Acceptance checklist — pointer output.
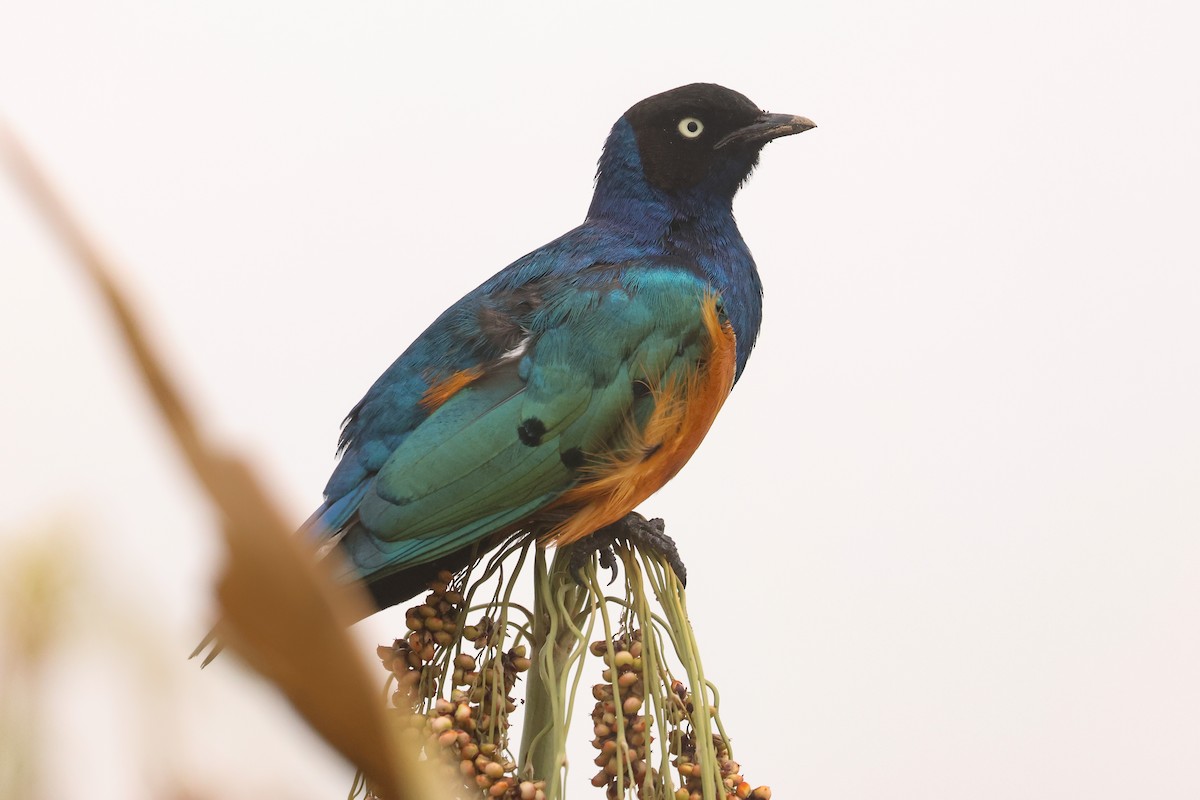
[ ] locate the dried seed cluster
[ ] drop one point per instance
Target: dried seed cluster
(481, 765)
(488, 688)
(622, 688)
(680, 709)
(432, 627)
(470, 728)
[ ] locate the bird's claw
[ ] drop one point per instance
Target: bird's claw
(581, 553)
(633, 528)
(608, 561)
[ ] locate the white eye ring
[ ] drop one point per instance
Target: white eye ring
(690, 127)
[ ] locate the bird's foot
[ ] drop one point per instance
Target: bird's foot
(633, 528)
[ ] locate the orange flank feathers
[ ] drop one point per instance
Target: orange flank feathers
(441, 391)
(648, 458)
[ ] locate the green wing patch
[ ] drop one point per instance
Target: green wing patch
(512, 441)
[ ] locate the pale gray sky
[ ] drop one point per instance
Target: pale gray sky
(944, 537)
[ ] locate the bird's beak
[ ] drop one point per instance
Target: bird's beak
(766, 128)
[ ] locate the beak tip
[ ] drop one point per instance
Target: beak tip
(767, 128)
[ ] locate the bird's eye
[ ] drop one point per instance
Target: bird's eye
(690, 127)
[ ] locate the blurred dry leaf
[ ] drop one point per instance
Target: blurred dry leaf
(286, 617)
(282, 612)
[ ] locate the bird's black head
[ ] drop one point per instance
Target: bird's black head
(700, 130)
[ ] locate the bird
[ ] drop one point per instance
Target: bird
(567, 388)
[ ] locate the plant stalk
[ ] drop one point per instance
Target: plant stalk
(558, 602)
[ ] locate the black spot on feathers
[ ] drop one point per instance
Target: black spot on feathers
(573, 458)
(530, 432)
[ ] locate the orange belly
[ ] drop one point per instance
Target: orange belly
(684, 410)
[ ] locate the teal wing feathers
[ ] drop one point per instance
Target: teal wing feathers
(519, 435)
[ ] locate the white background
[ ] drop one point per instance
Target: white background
(943, 539)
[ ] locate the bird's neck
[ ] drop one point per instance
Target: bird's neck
(625, 199)
(697, 225)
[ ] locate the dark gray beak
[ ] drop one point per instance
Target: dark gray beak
(766, 128)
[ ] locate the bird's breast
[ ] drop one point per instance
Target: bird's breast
(649, 454)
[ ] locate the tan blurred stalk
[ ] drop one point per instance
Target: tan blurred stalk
(33, 588)
(282, 612)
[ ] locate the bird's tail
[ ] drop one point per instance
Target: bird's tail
(210, 643)
(320, 520)
(386, 589)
